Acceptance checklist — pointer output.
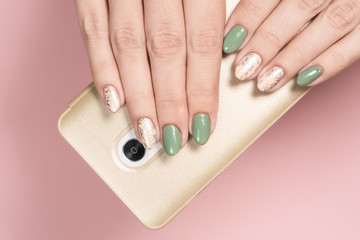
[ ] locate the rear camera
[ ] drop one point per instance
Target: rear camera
(134, 150)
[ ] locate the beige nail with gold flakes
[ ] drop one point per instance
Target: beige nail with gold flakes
(112, 98)
(248, 66)
(270, 79)
(147, 132)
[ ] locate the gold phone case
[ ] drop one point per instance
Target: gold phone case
(157, 191)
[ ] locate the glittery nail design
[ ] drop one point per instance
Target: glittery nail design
(147, 132)
(270, 79)
(112, 99)
(248, 66)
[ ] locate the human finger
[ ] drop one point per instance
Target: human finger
(335, 59)
(94, 25)
(283, 24)
(204, 22)
(243, 22)
(128, 43)
(337, 20)
(165, 32)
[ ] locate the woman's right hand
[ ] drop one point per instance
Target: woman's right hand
(162, 57)
(277, 40)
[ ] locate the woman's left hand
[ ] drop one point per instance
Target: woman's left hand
(274, 49)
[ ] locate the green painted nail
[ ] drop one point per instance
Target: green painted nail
(234, 39)
(171, 139)
(309, 75)
(201, 128)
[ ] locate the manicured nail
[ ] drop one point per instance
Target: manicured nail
(309, 75)
(171, 139)
(201, 128)
(270, 79)
(112, 98)
(248, 66)
(234, 39)
(147, 132)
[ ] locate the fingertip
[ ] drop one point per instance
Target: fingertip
(234, 39)
(309, 75)
(146, 132)
(111, 98)
(201, 128)
(172, 139)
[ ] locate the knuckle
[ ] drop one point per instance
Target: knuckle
(299, 55)
(94, 27)
(172, 104)
(357, 30)
(272, 38)
(253, 6)
(165, 41)
(125, 39)
(342, 60)
(312, 6)
(342, 14)
(206, 40)
(203, 95)
(104, 65)
(133, 98)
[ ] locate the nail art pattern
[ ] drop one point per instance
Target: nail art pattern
(147, 132)
(248, 66)
(270, 79)
(112, 99)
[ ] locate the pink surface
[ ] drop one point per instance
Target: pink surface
(299, 181)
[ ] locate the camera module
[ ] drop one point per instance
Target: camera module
(134, 150)
(132, 153)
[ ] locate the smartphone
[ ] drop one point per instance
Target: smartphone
(153, 185)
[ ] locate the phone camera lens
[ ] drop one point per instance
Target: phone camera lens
(134, 150)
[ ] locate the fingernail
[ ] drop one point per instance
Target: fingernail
(248, 66)
(171, 139)
(147, 132)
(201, 128)
(112, 98)
(234, 39)
(270, 79)
(309, 75)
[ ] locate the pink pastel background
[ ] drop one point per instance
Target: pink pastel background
(300, 180)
